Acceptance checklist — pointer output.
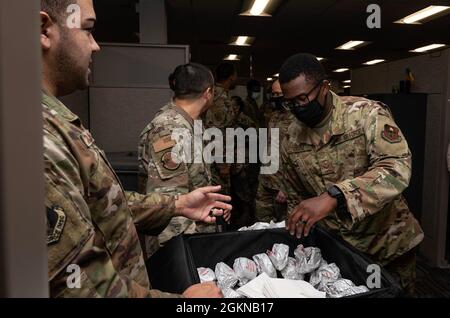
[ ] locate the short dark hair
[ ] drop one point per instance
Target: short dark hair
(254, 85)
(302, 64)
(224, 71)
(238, 100)
(190, 80)
(56, 8)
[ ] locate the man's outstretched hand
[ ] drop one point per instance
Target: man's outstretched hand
(204, 204)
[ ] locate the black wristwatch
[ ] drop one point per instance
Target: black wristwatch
(336, 193)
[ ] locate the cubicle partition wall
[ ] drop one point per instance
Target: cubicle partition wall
(129, 85)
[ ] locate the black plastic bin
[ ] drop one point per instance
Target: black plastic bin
(174, 267)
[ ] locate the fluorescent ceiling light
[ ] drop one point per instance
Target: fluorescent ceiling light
(232, 57)
(241, 41)
(269, 79)
(347, 86)
(428, 48)
(347, 81)
(423, 14)
(276, 75)
(373, 62)
(341, 70)
(351, 45)
(320, 59)
(258, 7)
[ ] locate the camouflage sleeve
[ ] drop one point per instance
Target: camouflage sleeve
(151, 213)
(389, 170)
(245, 121)
(71, 242)
(223, 114)
(265, 207)
(291, 182)
(167, 168)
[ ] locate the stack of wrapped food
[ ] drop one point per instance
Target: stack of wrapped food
(308, 265)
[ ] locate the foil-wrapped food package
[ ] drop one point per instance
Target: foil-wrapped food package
(324, 275)
(255, 227)
(291, 271)
(245, 269)
(309, 258)
(206, 274)
(279, 255)
(343, 288)
(264, 265)
(323, 263)
(226, 277)
(231, 294)
(279, 225)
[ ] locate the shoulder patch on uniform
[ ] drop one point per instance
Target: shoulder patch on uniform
(164, 143)
(56, 220)
(169, 161)
(391, 134)
(87, 139)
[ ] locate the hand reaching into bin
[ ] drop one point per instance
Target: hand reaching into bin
(198, 205)
(308, 213)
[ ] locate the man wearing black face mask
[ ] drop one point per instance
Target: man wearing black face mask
(346, 163)
(271, 198)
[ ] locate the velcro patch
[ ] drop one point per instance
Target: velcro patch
(349, 136)
(87, 139)
(56, 220)
(169, 161)
(391, 134)
(164, 144)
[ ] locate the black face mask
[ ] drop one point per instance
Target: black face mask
(277, 102)
(310, 114)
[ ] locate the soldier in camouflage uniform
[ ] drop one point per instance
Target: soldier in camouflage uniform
(91, 221)
(251, 108)
(223, 114)
(271, 203)
(243, 176)
(346, 164)
(193, 86)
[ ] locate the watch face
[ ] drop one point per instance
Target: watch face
(333, 191)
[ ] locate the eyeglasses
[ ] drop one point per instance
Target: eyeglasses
(300, 100)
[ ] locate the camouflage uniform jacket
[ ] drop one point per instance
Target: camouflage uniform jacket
(280, 119)
(158, 171)
(252, 110)
(90, 217)
(365, 154)
(223, 113)
(270, 185)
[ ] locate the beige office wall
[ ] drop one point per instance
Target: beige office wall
(78, 103)
(428, 69)
(119, 115)
(432, 74)
(23, 253)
